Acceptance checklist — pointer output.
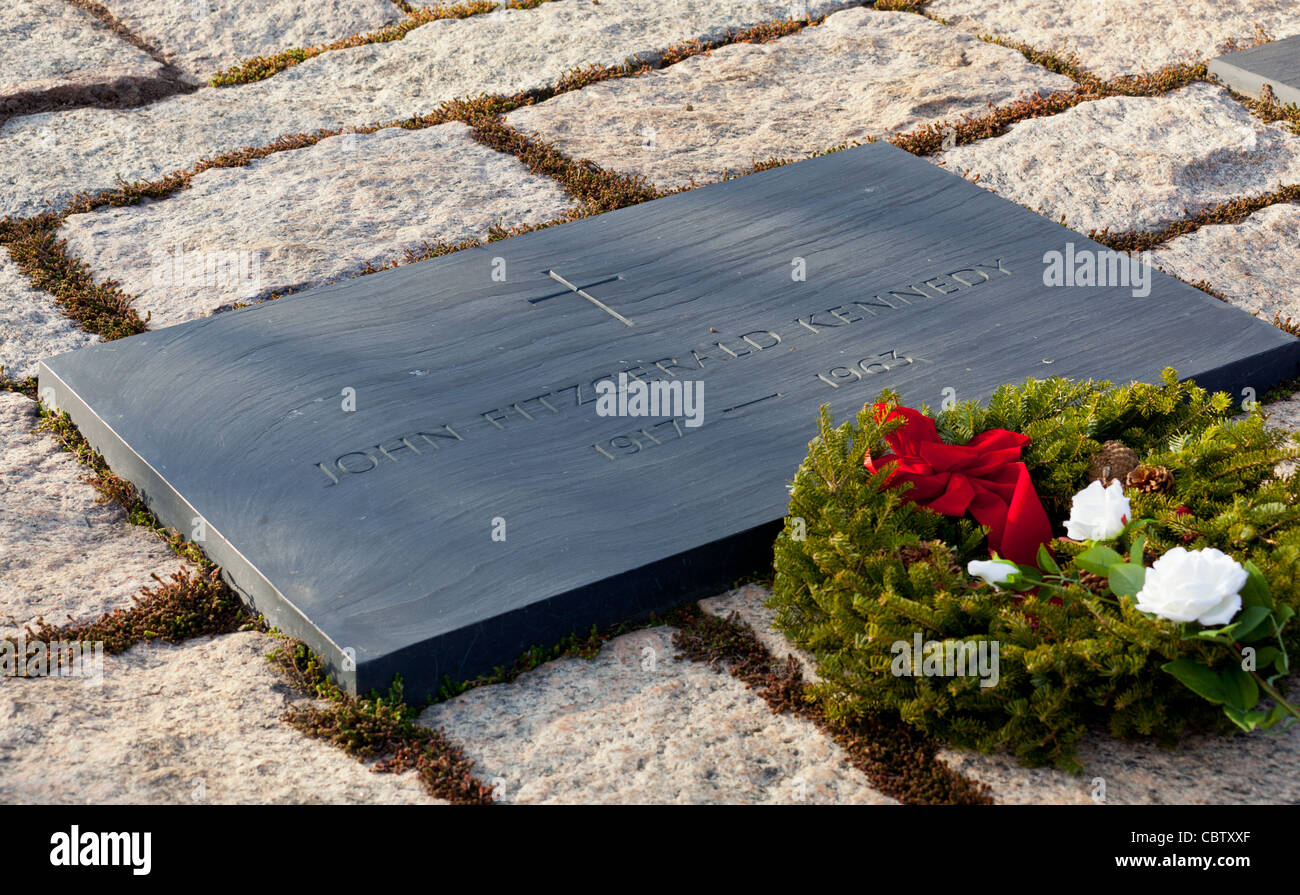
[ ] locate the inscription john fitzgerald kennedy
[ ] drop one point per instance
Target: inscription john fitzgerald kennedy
(695, 361)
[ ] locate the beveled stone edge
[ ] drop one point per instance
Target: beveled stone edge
(173, 510)
(1249, 83)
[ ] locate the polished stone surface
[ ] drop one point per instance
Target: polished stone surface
(474, 503)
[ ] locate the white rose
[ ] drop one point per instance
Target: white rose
(994, 571)
(1202, 585)
(1097, 513)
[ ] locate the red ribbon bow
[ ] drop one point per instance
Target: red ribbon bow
(984, 477)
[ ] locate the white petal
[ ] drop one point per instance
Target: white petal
(1223, 613)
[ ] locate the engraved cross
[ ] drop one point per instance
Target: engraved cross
(571, 289)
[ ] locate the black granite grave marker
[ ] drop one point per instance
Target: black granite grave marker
(474, 503)
(1276, 64)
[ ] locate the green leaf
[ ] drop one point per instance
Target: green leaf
(1029, 572)
(1239, 688)
(1045, 561)
(1247, 721)
(1284, 613)
(1276, 714)
(1097, 559)
(1126, 578)
(1197, 678)
(1135, 553)
(1265, 657)
(1027, 578)
(1215, 634)
(1256, 591)
(1253, 623)
(1218, 635)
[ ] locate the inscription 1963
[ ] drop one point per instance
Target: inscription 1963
(693, 363)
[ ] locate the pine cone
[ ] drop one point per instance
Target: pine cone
(915, 553)
(1151, 480)
(1112, 463)
(923, 552)
(1094, 582)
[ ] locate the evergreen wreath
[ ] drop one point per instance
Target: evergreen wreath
(861, 569)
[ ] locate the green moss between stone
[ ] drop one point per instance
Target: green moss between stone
(916, 6)
(376, 727)
(199, 603)
(587, 182)
(899, 761)
(186, 605)
(25, 386)
(105, 310)
(1283, 391)
(113, 489)
(1234, 211)
(1269, 109)
(930, 139)
(262, 67)
(1287, 325)
(100, 308)
(384, 726)
(189, 604)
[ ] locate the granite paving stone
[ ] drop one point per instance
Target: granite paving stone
(306, 217)
(31, 326)
(639, 723)
(1118, 37)
(51, 157)
(203, 36)
(1285, 414)
(861, 74)
(62, 552)
(1142, 773)
(1254, 263)
(195, 723)
(48, 47)
(1133, 162)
